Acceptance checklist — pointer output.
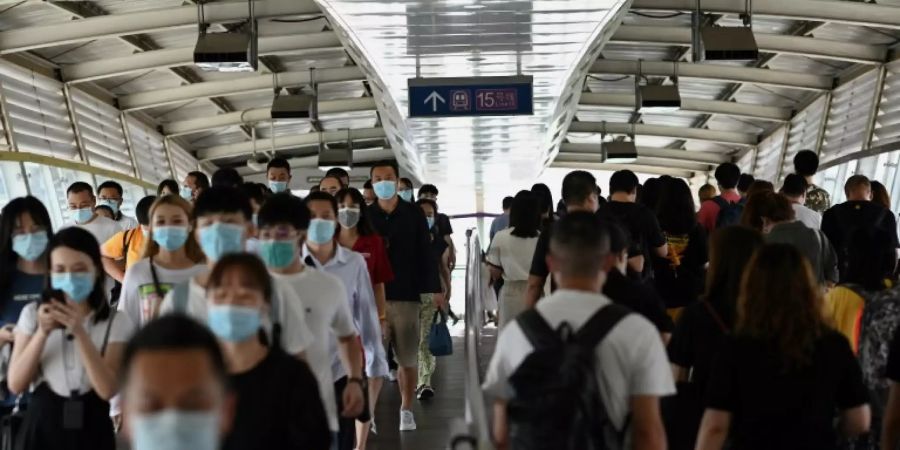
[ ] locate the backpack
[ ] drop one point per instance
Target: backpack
(557, 403)
(729, 213)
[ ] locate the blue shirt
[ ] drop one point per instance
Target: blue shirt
(351, 268)
(501, 222)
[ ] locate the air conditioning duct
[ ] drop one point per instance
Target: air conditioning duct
(619, 152)
(299, 106)
(234, 51)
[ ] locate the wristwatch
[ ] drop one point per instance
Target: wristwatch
(362, 382)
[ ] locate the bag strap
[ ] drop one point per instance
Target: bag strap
(156, 285)
(126, 241)
(180, 294)
(600, 324)
(716, 317)
(112, 317)
(537, 330)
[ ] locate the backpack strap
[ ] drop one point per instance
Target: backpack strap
(600, 324)
(719, 200)
(537, 330)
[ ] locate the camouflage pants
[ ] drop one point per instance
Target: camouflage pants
(426, 359)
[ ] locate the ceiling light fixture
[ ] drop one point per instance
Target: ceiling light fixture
(233, 51)
(714, 43)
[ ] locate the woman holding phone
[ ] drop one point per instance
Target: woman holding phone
(69, 345)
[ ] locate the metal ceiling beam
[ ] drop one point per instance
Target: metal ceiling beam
(655, 170)
(716, 72)
(360, 156)
(693, 134)
(652, 152)
(283, 142)
(768, 43)
(597, 158)
(853, 13)
(757, 112)
(149, 99)
(28, 38)
(183, 56)
(250, 116)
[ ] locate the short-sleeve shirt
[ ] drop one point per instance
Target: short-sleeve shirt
(642, 226)
(442, 225)
(61, 365)
(539, 266)
(775, 407)
(407, 239)
(639, 298)
(709, 210)
(101, 228)
(841, 221)
(630, 361)
(817, 199)
(696, 341)
(138, 288)
(295, 335)
(513, 254)
(114, 247)
(372, 248)
(24, 289)
(328, 318)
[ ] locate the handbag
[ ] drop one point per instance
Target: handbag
(10, 426)
(439, 341)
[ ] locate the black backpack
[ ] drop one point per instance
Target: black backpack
(729, 213)
(557, 403)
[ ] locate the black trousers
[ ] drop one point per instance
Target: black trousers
(43, 426)
(347, 427)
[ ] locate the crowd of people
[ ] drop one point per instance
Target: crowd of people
(225, 315)
(756, 319)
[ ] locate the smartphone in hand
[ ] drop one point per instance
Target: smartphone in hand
(53, 295)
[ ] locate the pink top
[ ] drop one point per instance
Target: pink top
(709, 210)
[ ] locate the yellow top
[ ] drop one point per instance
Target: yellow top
(114, 247)
(845, 309)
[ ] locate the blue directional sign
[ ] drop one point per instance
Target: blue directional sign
(475, 96)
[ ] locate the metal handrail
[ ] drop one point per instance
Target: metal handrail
(476, 413)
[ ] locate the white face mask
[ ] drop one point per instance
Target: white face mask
(348, 217)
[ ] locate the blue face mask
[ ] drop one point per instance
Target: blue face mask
(220, 239)
(320, 231)
(233, 323)
(430, 221)
(76, 285)
(82, 215)
(405, 195)
(30, 246)
(278, 186)
(277, 254)
(170, 238)
(175, 430)
(186, 193)
(111, 204)
(385, 190)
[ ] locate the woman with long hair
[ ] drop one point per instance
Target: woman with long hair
(25, 231)
(171, 256)
(702, 328)
(545, 203)
(679, 276)
(511, 252)
(880, 195)
(356, 233)
(69, 345)
(779, 379)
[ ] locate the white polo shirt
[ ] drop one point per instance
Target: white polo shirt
(807, 216)
(101, 227)
(630, 361)
(295, 335)
(328, 317)
(512, 253)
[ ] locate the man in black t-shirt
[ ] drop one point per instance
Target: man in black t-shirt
(442, 227)
(640, 222)
(858, 214)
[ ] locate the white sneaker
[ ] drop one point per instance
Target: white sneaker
(392, 376)
(407, 420)
(373, 428)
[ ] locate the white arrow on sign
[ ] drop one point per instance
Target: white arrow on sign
(434, 98)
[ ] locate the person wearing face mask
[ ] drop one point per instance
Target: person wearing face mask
(194, 184)
(369, 193)
(257, 194)
(357, 234)
(126, 247)
(278, 174)
(284, 221)
(278, 403)
(331, 184)
(172, 256)
(322, 252)
(81, 200)
(110, 194)
(221, 224)
(25, 231)
(69, 346)
(405, 190)
(405, 230)
(175, 387)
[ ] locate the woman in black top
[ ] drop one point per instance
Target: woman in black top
(679, 276)
(779, 379)
(702, 328)
(278, 403)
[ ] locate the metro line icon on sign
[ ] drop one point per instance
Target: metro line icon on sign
(475, 96)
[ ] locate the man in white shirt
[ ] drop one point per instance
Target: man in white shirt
(111, 195)
(630, 363)
(794, 189)
(222, 224)
(283, 224)
(80, 197)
